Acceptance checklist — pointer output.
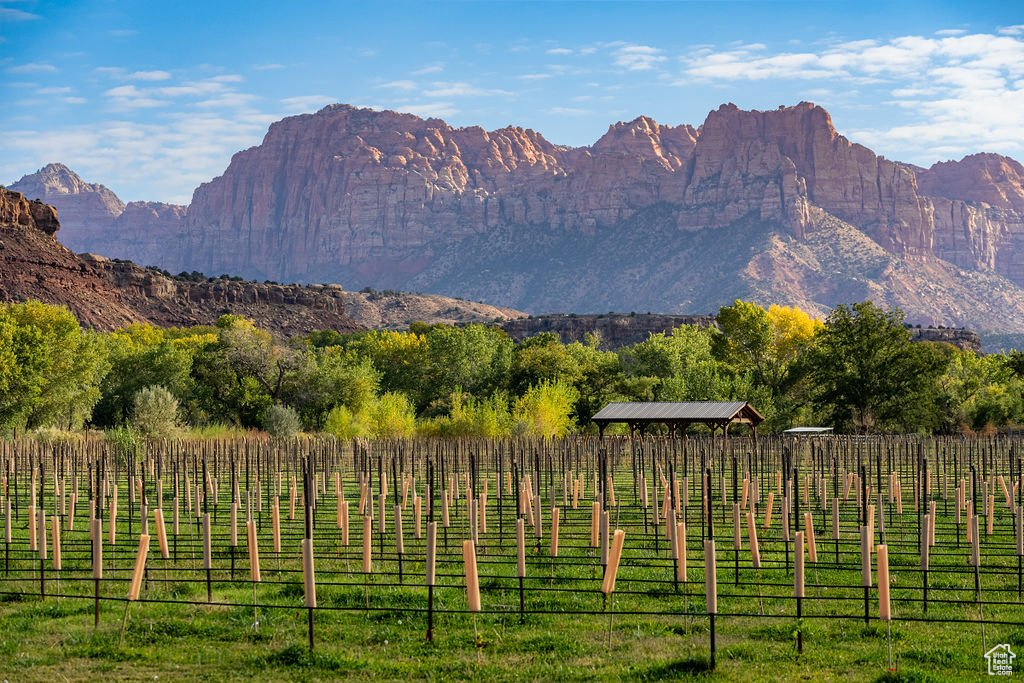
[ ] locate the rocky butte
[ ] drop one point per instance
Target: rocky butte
(774, 206)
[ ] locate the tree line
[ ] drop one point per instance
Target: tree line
(857, 371)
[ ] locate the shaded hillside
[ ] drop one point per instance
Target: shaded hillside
(106, 294)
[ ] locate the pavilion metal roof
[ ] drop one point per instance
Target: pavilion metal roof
(693, 411)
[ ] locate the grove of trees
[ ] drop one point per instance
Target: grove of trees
(857, 371)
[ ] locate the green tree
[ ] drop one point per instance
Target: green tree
(542, 358)
(345, 424)
(603, 380)
(545, 410)
(391, 416)
(979, 392)
(475, 359)
(326, 378)
(242, 373)
(281, 422)
(1014, 361)
(682, 366)
(50, 369)
(469, 416)
(140, 356)
(400, 358)
(744, 338)
(155, 413)
(867, 373)
(766, 343)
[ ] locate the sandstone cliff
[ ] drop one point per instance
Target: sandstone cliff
(614, 330)
(397, 201)
(652, 217)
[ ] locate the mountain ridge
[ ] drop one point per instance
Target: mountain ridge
(106, 294)
(395, 201)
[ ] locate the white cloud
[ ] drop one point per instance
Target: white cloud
(429, 69)
(216, 91)
(399, 85)
(12, 14)
(951, 32)
(191, 88)
(569, 111)
(267, 67)
(429, 109)
(302, 104)
(73, 100)
(131, 97)
(954, 90)
(228, 100)
(459, 89)
(32, 68)
(638, 57)
(54, 91)
(149, 76)
(1015, 30)
(558, 51)
(533, 77)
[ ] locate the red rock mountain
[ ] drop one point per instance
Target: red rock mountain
(771, 205)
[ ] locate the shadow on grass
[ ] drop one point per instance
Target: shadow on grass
(906, 676)
(299, 657)
(679, 668)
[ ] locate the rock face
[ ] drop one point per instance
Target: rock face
(615, 330)
(106, 294)
(961, 338)
(649, 217)
(95, 219)
(17, 211)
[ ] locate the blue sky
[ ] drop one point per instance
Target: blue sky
(153, 98)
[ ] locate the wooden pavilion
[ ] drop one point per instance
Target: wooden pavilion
(678, 416)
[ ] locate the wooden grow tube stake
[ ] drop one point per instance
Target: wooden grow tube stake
(161, 534)
(798, 589)
(136, 583)
(521, 565)
(431, 571)
(208, 556)
(711, 591)
(884, 605)
(865, 569)
(610, 574)
(97, 565)
(254, 567)
(309, 584)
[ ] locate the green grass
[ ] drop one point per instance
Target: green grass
(54, 638)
